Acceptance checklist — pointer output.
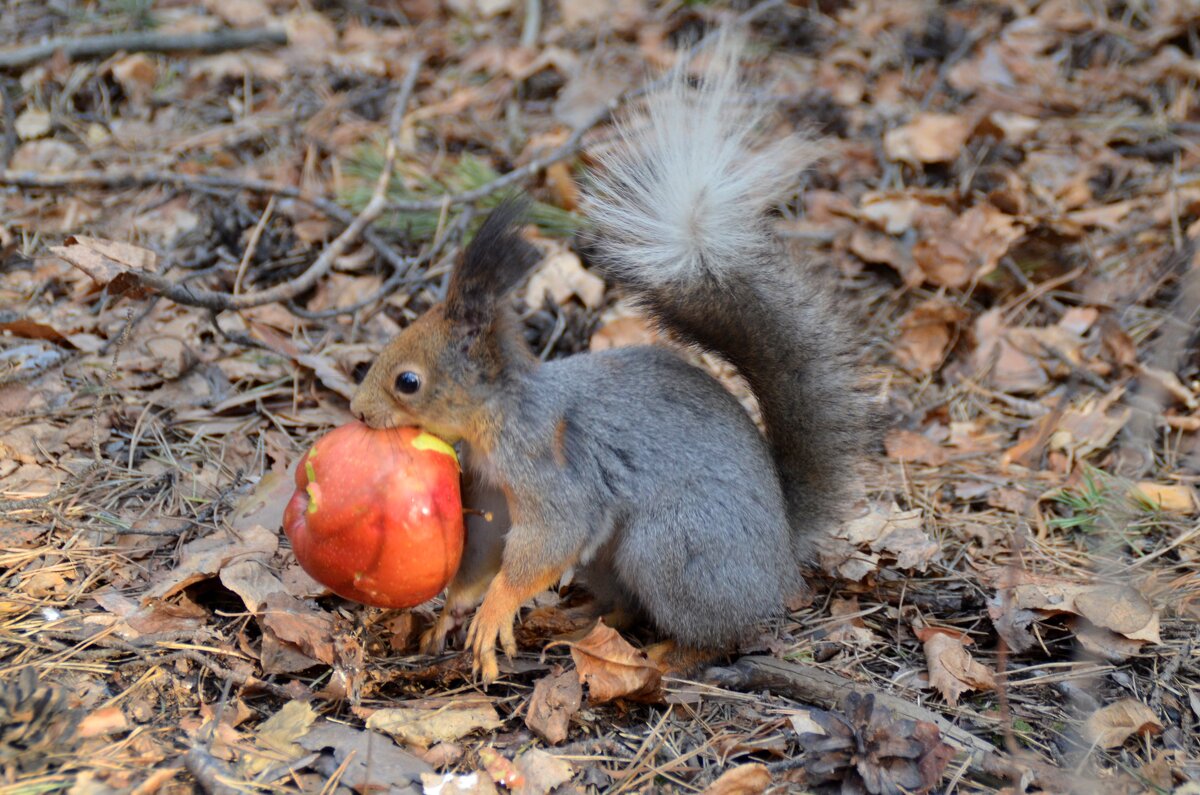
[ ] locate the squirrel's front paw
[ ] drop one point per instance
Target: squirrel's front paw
(493, 620)
(433, 640)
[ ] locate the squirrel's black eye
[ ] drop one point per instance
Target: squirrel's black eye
(408, 382)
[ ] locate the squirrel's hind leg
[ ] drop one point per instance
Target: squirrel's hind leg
(611, 601)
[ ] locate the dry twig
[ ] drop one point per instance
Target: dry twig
(138, 41)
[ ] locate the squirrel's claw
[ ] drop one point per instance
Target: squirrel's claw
(433, 640)
(481, 639)
(508, 640)
(493, 622)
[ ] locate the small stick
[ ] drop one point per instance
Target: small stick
(532, 24)
(390, 284)
(210, 773)
(252, 245)
(236, 677)
(9, 145)
(103, 46)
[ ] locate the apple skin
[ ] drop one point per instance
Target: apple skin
(377, 514)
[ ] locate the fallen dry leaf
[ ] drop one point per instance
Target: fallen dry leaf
(803, 723)
(240, 13)
(443, 755)
(1090, 426)
(1104, 643)
(1111, 726)
(905, 445)
(561, 276)
(181, 616)
(501, 768)
(44, 156)
(265, 504)
(279, 735)
(323, 366)
(103, 721)
(894, 213)
(1117, 608)
(32, 123)
(109, 263)
(1008, 368)
(855, 549)
(253, 581)
(555, 700)
(290, 626)
(1117, 343)
(928, 138)
(952, 671)
(1172, 498)
(541, 772)
(970, 248)
(1165, 381)
(926, 333)
(442, 721)
(611, 668)
(1015, 127)
(205, 557)
(137, 75)
(748, 779)
(883, 249)
(623, 331)
(369, 761)
(848, 627)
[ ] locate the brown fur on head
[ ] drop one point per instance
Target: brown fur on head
(441, 371)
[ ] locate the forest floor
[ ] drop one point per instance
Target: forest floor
(1009, 196)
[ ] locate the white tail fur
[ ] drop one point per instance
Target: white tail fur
(686, 189)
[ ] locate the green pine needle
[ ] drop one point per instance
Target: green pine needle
(408, 184)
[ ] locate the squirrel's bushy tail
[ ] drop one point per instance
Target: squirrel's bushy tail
(681, 208)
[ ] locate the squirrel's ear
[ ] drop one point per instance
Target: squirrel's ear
(491, 266)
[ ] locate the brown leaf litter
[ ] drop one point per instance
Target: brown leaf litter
(1008, 197)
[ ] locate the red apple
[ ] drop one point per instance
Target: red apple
(377, 515)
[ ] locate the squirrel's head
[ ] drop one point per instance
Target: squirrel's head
(442, 371)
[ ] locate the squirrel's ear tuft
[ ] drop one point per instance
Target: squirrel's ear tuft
(492, 265)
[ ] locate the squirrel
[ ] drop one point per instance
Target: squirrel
(630, 467)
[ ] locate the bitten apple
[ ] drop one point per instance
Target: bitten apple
(377, 514)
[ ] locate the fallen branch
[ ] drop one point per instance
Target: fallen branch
(390, 283)
(210, 773)
(215, 301)
(116, 180)
(811, 684)
(9, 144)
(103, 46)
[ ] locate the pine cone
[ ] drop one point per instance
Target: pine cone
(866, 749)
(35, 720)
